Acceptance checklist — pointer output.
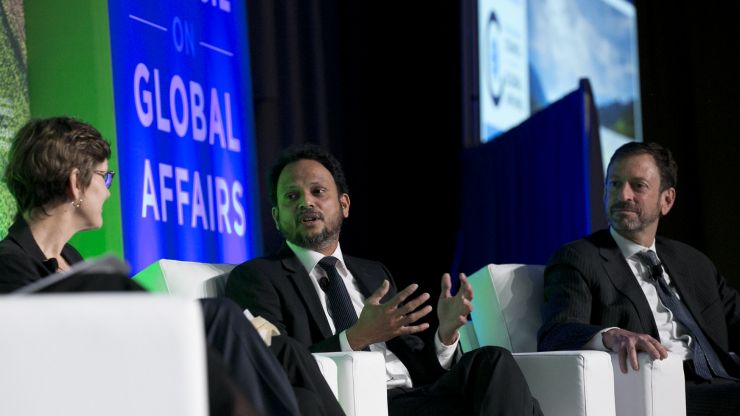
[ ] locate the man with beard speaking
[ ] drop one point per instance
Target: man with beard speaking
(330, 301)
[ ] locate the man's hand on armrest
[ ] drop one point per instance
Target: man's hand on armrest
(627, 344)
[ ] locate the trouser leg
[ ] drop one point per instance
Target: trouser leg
(314, 395)
(94, 282)
(718, 398)
(486, 381)
(246, 357)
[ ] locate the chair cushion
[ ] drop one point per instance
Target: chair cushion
(507, 305)
(186, 278)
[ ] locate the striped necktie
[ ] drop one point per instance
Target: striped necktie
(340, 304)
(706, 361)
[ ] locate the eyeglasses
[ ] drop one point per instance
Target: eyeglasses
(107, 176)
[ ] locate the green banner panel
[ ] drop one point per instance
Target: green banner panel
(69, 73)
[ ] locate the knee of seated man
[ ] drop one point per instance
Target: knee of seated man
(492, 355)
(221, 308)
(285, 347)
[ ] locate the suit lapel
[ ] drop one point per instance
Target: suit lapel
(366, 281)
(306, 291)
(681, 276)
(619, 272)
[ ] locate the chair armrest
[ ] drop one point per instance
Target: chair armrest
(657, 389)
(328, 369)
(570, 383)
(361, 382)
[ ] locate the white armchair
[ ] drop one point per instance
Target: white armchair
(92, 354)
(357, 378)
(507, 313)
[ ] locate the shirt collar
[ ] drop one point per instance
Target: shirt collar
(310, 258)
(628, 247)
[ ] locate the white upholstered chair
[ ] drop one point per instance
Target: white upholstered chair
(507, 313)
(93, 354)
(357, 378)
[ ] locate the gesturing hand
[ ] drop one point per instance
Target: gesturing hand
(628, 343)
(453, 310)
(381, 322)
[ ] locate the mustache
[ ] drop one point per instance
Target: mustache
(624, 206)
(310, 214)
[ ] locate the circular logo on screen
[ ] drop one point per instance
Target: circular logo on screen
(494, 76)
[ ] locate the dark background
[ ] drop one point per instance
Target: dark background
(381, 87)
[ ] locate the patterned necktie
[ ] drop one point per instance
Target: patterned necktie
(706, 360)
(340, 304)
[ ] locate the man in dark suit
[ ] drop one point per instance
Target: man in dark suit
(314, 293)
(626, 290)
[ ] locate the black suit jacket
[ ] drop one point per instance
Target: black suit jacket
(279, 289)
(589, 286)
(23, 262)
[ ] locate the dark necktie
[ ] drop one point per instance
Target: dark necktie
(706, 360)
(340, 304)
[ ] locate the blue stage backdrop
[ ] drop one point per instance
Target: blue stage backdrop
(534, 188)
(185, 130)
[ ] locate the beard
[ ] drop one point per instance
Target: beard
(631, 224)
(324, 237)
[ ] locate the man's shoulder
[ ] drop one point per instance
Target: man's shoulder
(674, 244)
(678, 250)
(260, 263)
(285, 258)
(584, 248)
(255, 274)
(362, 262)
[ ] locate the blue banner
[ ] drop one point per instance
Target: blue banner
(184, 124)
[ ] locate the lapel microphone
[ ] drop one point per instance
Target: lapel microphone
(324, 283)
(651, 261)
(656, 271)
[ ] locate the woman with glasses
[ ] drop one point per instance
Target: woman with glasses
(58, 173)
(59, 176)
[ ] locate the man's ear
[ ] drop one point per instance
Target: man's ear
(344, 204)
(275, 217)
(667, 199)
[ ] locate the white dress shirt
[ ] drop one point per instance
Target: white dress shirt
(673, 334)
(397, 373)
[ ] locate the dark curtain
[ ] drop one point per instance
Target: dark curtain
(690, 103)
(296, 82)
(505, 219)
(379, 85)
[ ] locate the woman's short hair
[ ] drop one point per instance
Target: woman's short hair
(43, 154)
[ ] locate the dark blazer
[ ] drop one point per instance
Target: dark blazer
(23, 262)
(279, 289)
(589, 286)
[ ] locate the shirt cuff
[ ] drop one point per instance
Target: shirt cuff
(597, 342)
(445, 353)
(344, 342)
